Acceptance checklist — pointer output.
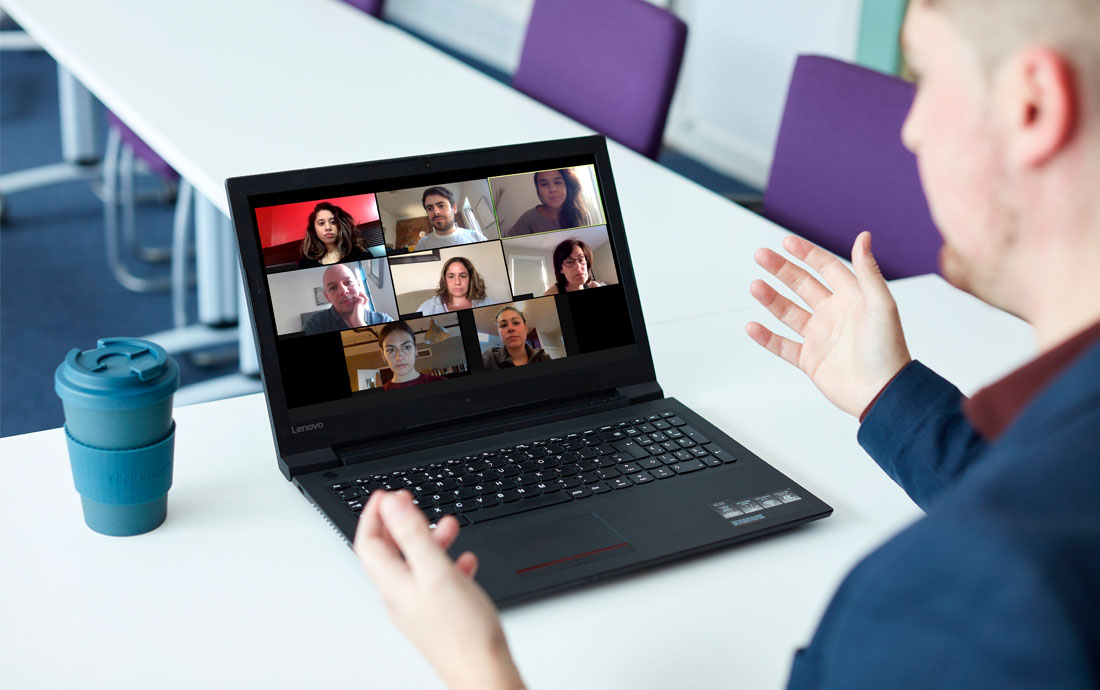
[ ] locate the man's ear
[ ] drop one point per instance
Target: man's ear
(1044, 99)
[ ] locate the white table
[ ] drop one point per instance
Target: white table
(216, 596)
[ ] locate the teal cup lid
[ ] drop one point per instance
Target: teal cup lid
(119, 374)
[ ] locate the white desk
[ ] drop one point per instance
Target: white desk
(215, 596)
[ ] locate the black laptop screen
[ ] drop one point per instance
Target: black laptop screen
(435, 286)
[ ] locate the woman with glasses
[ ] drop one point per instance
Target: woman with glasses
(572, 267)
(562, 204)
(398, 344)
(513, 350)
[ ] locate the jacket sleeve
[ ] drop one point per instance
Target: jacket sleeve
(917, 433)
(951, 606)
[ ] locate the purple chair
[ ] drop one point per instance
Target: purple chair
(609, 64)
(371, 7)
(840, 168)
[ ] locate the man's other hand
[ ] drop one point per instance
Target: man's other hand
(852, 342)
(433, 600)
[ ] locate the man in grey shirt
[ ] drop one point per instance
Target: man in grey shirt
(349, 301)
(439, 205)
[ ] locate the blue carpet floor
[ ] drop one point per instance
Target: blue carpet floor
(56, 292)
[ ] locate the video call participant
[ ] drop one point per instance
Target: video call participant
(515, 352)
(398, 344)
(439, 205)
(349, 303)
(460, 287)
(562, 205)
(572, 267)
(330, 238)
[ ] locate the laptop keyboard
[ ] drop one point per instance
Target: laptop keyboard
(546, 472)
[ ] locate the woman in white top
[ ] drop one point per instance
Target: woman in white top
(573, 267)
(460, 287)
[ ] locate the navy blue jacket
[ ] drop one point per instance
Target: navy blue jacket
(999, 585)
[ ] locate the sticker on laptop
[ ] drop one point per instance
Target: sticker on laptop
(752, 509)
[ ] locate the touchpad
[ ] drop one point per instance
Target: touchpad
(558, 545)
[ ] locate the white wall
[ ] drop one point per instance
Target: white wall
(738, 63)
(734, 79)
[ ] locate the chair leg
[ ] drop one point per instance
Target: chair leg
(180, 253)
(112, 231)
(128, 196)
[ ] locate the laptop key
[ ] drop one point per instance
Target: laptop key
(486, 501)
(630, 467)
(662, 472)
(722, 454)
(687, 466)
(600, 488)
(579, 492)
(479, 516)
(466, 506)
(527, 492)
(649, 463)
(548, 487)
(507, 496)
(711, 461)
(641, 478)
(607, 473)
(568, 482)
(620, 483)
(631, 448)
(694, 435)
(588, 477)
(340, 486)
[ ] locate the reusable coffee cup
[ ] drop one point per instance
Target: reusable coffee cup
(118, 422)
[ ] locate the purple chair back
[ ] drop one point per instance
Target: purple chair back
(371, 7)
(840, 167)
(142, 151)
(609, 64)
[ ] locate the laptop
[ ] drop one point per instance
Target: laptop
(467, 326)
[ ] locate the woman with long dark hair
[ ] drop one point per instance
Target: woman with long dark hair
(330, 238)
(562, 204)
(460, 287)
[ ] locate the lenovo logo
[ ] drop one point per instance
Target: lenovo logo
(307, 427)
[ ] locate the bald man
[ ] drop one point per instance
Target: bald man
(349, 301)
(999, 585)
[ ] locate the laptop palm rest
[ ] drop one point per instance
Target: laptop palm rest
(555, 546)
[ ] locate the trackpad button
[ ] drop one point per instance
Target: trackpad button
(558, 545)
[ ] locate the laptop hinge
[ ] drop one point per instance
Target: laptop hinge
(643, 392)
(309, 461)
(463, 430)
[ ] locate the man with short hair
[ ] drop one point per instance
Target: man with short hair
(439, 206)
(999, 585)
(344, 291)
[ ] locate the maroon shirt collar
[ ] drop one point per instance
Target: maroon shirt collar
(993, 409)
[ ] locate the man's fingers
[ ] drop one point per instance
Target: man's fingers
(377, 553)
(780, 307)
(784, 348)
(798, 279)
(445, 532)
(827, 266)
(868, 272)
(467, 563)
(410, 532)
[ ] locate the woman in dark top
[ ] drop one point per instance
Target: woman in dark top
(572, 267)
(514, 350)
(330, 238)
(562, 205)
(398, 344)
